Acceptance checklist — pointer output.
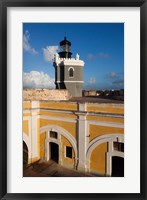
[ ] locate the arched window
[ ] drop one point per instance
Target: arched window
(71, 72)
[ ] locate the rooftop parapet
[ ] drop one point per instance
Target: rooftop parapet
(67, 61)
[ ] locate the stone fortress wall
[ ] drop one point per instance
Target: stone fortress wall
(87, 137)
(45, 94)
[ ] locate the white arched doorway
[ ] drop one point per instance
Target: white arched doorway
(55, 142)
(26, 147)
(110, 139)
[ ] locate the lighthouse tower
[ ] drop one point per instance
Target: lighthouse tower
(68, 70)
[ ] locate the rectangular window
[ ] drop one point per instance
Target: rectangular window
(118, 146)
(53, 134)
(68, 152)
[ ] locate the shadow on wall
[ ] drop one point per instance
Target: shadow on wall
(25, 154)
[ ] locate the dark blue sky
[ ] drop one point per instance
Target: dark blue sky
(100, 45)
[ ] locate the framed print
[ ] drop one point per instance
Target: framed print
(73, 93)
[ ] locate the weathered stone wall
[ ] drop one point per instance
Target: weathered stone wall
(89, 93)
(45, 94)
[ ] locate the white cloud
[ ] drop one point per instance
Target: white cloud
(98, 55)
(35, 79)
(26, 45)
(49, 52)
(90, 56)
(113, 75)
(103, 55)
(118, 84)
(92, 80)
(116, 80)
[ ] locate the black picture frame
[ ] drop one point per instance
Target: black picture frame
(4, 4)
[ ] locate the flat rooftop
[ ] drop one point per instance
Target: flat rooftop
(97, 100)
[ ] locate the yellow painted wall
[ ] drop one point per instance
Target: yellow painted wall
(69, 126)
(26, 127)
(42, 145)
(67, 162)
(106, 108)
(105, 119)
(95, 131)
(27, 114)
(26, 105)
(58, 114)
(97, 159)
(58, 105)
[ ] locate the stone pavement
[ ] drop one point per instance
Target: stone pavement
(51, 169)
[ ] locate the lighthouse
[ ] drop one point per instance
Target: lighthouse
(68, 70)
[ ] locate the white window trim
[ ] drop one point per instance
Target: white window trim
(69, 72)
(65, 152)
(71, 68)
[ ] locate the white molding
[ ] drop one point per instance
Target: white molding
(29, 117)
(82, 107)
(103, 123)
(108, 137)
(35, 104)
(92, 113)
(69, 61)
(105, 104)
(109, 156)
(26, 117)
(47, 144)
(82, 142)
(26, 111)
(57, 111)
(78, 112)
(99, 140)
(63, 119)
(89, 122)
(65, 151)
(71, 68)
(34, 135)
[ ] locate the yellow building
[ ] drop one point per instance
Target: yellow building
(82, 136)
